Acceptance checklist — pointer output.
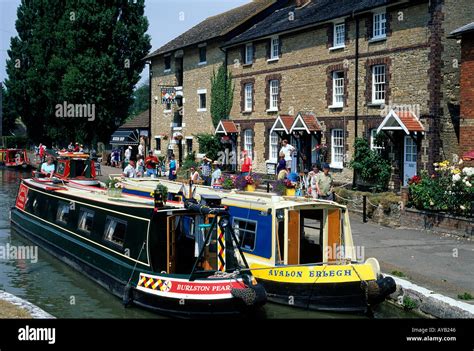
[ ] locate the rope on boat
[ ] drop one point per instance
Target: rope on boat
(127, 292)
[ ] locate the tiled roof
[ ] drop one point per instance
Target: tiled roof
(315, 12)
(215, 26)
(312, 123)
(229, 127)
(410, 121)
(139, 121)
(462, 30)
(287, 121)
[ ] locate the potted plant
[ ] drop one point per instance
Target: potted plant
(247, 183)
(284, 187)
(160, 195)
(114, 188)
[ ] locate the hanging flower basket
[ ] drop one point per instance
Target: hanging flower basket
(177, 136)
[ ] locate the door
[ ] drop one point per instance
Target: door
(409, 164)
(171, 244)
(293, 254)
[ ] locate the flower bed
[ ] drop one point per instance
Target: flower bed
(448, 190)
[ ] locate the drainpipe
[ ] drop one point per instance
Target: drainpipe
(150, 75)
(356, 90)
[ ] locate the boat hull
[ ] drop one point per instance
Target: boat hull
(327, 297)
(39, 234)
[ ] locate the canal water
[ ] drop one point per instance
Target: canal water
(65, 293)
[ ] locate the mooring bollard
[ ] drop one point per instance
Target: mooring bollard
(364, 209)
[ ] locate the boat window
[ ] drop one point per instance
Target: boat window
(62, 214)
(115, 230)
(86, 218)
(246, 231)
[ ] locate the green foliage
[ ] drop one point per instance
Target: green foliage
(163, 190)
(465, 296)
(79, 52)
(449, 189)
(209, 144)
(398, 274)
(370, 166)
(409, 303)
(16, 142)
(228, 183)
(9, 113)
(141, 100)
(222, 94)
(189, 161)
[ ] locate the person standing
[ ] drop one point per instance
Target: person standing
(150, 163)
(194, 175)
(140, 168)
(312, 181)
(70, 147)
(216, 181)
(206, 170)
(324, 184)
(246, 163)
(287, 150)
(281, 163)
(128, 154)
(41, 152)
(173, 168)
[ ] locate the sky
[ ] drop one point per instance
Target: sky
(167, 19)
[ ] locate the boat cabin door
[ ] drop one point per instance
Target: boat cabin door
(292, 242)
(171, 244)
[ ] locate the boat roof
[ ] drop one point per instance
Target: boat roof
(90, 193)
(259, 199)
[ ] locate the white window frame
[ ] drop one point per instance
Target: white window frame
(273, 147)
(337, 44)
(249, 54)
(373, 133)
(337, 89)
(199, 93)
(274, 48)
(378, 80)
(337, 148)
(248, 97)
(248, 142)
(379, 30)
(274, 91)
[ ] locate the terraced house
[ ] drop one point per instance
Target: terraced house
(181, 76)
(321, 72)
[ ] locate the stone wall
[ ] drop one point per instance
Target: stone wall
(438, 222)
(195, 77)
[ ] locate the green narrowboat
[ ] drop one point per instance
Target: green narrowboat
(300, 249)
(178, 260)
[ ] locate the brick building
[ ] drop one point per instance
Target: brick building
(466, 131)
(309, 70)
(184, 66)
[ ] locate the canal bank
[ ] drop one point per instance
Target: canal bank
(12, 306)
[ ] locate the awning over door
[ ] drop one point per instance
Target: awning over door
(308, 123)
(226, 128)
(283, 124)
(405, 121)
(125, 137)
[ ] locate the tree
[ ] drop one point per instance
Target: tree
(77, 52)
(141, 100)
(209, 144)
(9, 115)
(222, 95)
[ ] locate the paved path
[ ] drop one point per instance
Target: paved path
(442, 263)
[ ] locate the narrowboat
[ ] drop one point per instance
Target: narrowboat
(75, 167)
(14, 158)
(175, 260)
(300, 249)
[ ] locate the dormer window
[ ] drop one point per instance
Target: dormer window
(249, 54)
(202, 54)
(167, 63)
(275, 48)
